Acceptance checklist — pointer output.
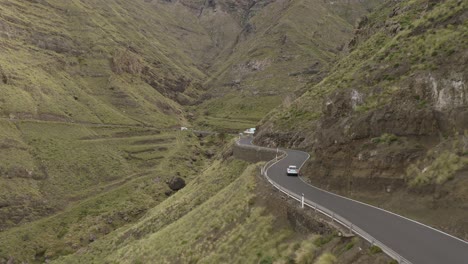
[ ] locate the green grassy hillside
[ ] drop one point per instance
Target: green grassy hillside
(95, 62)
(88, 91)
(227, 215)
(93, 191)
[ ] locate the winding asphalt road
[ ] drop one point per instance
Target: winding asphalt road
(418, 243)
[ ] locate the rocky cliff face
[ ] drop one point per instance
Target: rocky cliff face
(391, 119)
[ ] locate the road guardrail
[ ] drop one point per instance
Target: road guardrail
(318, 208)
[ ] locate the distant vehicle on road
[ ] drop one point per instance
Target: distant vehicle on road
(292, 170)
(250, 131)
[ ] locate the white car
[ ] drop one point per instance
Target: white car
(292, 170)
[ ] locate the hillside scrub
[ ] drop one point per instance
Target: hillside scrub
(126, 61)
(326, 258)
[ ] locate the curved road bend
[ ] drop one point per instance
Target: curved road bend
(416, 242)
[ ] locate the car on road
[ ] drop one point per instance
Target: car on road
(292, 170)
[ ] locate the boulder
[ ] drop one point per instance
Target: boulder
(209, 153)
(92, 238)
(176, 183)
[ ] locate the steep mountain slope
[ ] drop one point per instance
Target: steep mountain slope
(283, 45)
(79, 81)
(95, 62)
(389, 124)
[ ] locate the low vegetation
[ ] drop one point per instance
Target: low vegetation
(326, 258)
(322, 240)
(375, 250)
(385, 138)
(439, 169)
(350, 245)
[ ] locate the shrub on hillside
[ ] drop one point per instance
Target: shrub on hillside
(385, 138)
(441, 169)
(326, 258)
(375, 250)
(125, 61)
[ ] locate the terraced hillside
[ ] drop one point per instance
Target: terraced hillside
(389, 123)
(92, 180)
